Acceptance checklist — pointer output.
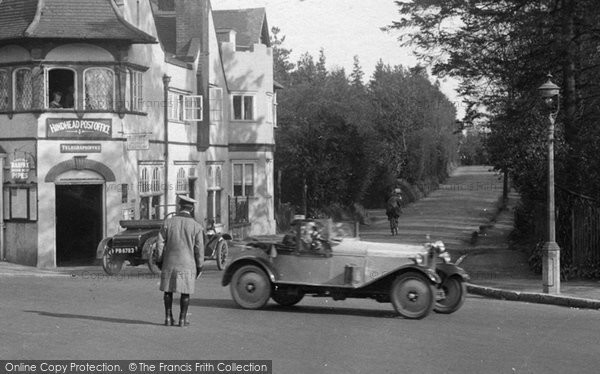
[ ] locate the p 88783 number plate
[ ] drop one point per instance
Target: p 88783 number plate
(124, 250)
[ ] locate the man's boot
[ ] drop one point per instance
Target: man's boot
(184, 303)
(168, 299)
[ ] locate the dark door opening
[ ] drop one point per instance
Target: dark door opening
(78, 223)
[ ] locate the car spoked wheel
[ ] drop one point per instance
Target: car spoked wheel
(150, 248)
(222, 250)
(455, 291)
(110, 263)
(250, 287)
(412, 295)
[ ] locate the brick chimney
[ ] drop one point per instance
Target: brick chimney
(191, 26)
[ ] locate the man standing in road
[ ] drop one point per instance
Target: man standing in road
(180, 245)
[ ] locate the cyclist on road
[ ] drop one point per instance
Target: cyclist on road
(394, 209)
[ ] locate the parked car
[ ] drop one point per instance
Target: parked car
(319, 258)
(137, 245)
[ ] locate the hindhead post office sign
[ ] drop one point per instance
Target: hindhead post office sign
(79, 128)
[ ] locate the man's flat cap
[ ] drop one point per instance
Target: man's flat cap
(186, 200)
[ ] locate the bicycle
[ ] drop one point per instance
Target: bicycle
(393, 224)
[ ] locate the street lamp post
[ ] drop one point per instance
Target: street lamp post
(551, 251)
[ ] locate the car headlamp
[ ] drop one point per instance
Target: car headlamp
(419, 259)
(445, 256)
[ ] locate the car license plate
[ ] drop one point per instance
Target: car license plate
(124, 250)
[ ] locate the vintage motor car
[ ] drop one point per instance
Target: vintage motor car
(319, 258)
(137, 245)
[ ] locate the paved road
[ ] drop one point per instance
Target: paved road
(452, 213)
(92, 316)
(84, 314)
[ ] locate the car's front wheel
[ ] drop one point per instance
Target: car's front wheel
(250, 287)
(455, 291)
(412, 295)
(222, 250)
(110, 263)
(150, 248)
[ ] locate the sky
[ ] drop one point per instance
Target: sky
(343, 29)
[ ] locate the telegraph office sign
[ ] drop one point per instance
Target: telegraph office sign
(79, 128)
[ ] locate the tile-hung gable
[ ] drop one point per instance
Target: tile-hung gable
(67, 19)
(250, 25)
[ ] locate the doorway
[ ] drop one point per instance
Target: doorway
(79, 223)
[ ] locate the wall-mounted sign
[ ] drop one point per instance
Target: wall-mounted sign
(79, 128)
(81, 148)
(137, 142)
(19, 169)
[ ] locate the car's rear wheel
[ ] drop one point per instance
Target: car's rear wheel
(111, 263)
(150, 248)
(250, 287)
(222, 251)
(285, 297)
(456, 292)
(412, 295)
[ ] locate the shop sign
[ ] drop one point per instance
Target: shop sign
(19, 169)
(138, 142)
(79, 128)
(81, 148)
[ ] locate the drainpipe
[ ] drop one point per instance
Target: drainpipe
(2, 202)
(166, 81)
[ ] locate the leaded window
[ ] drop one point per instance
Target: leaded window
(182, 183)
(144, 183)
(4, 89)
(99, 89)
(23, 89)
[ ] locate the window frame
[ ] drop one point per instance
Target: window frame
(14, 89)
(244, 163)
(214, 188)
(31, 202)
(135, 90)
(216, 114)
(8, 90)
(84, 93)
(243, 96)
(192, 104)
(182, 181)
(47, 93)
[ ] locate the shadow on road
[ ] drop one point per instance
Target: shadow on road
(92, 318)
(230, 304)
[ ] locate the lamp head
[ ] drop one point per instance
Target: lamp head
(548, 90)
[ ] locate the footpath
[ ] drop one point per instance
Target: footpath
(465, 214)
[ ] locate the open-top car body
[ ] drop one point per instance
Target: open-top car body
(319, 258)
